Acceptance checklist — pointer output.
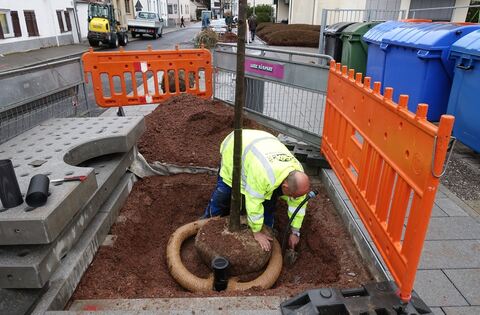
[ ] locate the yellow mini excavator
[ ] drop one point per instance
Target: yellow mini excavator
(104, 25)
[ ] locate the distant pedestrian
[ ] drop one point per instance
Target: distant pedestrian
(252, 25)
(182, 22)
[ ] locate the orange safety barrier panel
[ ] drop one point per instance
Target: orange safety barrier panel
(389, 161)
(118, 76)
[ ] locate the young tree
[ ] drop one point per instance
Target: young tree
(236, 202)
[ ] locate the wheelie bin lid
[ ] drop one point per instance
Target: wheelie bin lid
(428, 36)
(378, 32)
(337, 28)
(359, 28)
(468, 45)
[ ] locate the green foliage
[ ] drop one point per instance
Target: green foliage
(206, 37)
(263, 12)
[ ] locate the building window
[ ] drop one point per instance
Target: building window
(127, 6)
(181, 9)
(175, 9)
(170, 9)
(216, 4)
(187, 11)
(473, 14)
(67, 21)
(60, 21)
(5, 24)
(31, 22)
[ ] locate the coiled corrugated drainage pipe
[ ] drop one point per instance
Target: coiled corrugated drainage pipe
(196, 284)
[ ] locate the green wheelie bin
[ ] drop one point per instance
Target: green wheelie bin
(354, 50)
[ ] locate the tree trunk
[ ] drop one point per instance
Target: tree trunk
(236, 202)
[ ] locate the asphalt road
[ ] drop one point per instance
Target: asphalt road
(183, 37)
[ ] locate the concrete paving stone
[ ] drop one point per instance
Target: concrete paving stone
(61, 143)
(465, 310)
(437, 212)
(171, 312)
(30, 266)
(467, 282)
(19, 302)
(351, 208)
(450, 254)
(207, 304)
(364, 230)
(453, 228)
(440, 195)
(65, 279)
(437, 311)
(450, 207)
(435, 289)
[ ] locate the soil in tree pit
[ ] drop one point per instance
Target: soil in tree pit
(188, 131)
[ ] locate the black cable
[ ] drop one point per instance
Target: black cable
(309, 196)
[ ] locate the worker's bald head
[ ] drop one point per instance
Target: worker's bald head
(296, 184)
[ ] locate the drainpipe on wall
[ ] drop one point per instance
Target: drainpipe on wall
(54, 19)
(313, 11)
(290, 6)
(77, 22)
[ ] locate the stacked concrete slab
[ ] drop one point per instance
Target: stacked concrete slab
(36, 242)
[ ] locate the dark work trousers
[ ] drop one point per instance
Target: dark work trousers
(219, 203)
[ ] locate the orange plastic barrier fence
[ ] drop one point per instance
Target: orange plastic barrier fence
(123, 78)
(389, 161)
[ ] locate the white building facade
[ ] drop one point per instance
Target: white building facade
(310, 11)
(232, 6)
(33, 24)
(157, 6)
(176, 9)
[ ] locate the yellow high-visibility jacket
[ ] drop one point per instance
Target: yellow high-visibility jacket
(266, 163)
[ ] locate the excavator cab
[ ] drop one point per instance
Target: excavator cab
(104, 27)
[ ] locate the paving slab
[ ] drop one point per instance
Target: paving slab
(60, 144)
(472, 310)
(171, 312)
(453, 228)
(206, 304)
(30, 266)
(437, 311)
(65, 279)
(19, 302)
(467, 281)
(450, 254)
(436, 289)
(450, 207)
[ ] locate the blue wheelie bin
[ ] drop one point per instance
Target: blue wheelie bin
(463, 102)
(376, 52)
(417, 63)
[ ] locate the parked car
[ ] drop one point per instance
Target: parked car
(219, 26)
(146, 23)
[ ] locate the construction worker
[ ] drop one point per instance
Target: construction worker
(269, 171)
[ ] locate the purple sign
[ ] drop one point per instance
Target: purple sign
(264, 68)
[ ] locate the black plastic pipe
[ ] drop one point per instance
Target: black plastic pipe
(220, 273)
(10, 194)
(309, 196)
(37, 193)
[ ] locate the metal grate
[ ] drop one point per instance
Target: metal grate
(70, 102)
(299, 108)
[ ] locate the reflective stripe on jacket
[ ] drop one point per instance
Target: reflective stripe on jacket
(266, 162)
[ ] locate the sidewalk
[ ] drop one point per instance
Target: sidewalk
(34, 57)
